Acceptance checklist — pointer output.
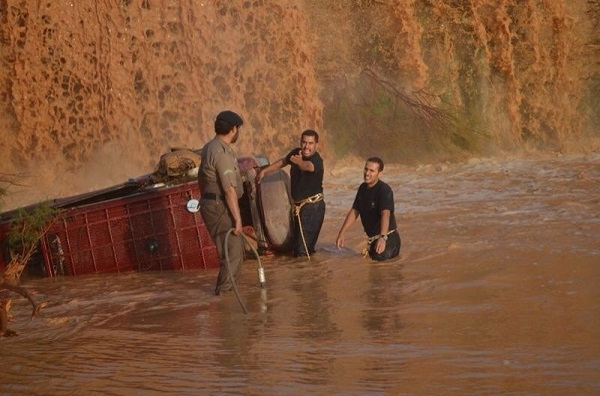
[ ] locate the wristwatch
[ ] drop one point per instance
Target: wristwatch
(384, 236)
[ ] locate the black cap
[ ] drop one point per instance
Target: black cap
(230, 117)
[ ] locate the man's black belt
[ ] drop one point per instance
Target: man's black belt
(213, 197)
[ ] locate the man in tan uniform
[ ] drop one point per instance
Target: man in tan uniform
(221, 187)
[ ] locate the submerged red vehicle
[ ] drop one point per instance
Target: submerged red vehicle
(144, 226)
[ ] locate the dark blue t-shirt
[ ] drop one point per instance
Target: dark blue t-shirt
(369, 203)
(305, 184)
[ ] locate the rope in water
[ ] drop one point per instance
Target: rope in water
(261, 276)
(297, 206)
(370, 240)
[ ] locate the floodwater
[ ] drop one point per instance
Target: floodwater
(496, 292)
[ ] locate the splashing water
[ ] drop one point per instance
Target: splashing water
(94, 93)
(495, 292)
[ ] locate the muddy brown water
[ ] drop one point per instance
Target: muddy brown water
(496, 292)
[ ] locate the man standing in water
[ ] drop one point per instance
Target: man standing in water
(221, 186)
(306, 175)
(374, 203)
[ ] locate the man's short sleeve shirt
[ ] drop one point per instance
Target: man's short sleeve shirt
(369, 203)
(305, 184)
(219, 168)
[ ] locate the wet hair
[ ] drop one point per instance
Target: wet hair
(225, 122)
(378, 161)
(310, 132)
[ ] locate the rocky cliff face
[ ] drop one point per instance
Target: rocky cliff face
(449, 78)
(96, 91)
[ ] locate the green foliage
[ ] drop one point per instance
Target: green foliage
(402, 126)
(590, 104)
(339, 119)
(27, 227)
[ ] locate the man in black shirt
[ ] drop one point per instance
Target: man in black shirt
(306, 174)
(374, 203)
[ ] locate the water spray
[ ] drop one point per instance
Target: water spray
(261, 276)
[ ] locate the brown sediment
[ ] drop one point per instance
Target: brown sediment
(92, 93)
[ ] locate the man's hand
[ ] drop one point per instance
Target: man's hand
(296, 159)
(260, 175)
(237, 231)
(340, 241)
(380, 245)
